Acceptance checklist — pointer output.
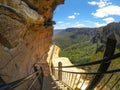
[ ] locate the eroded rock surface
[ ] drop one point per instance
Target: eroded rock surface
(25, 37)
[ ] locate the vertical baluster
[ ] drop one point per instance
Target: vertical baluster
(74, 81)
(83, 81)
(66, 77)
(55, 73)
(68, 74)
(71, 79)
(78, 81)
(63, 76)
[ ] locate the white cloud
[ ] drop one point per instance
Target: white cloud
(59, 26)
(94, 24)
(72, 17)
(88, 21)
(67, 25)
(106, 11)
(92, 3)
(60, 22)
(109, 20)
(101, 3)
(62, 25)
(75, 13)
(78, 24)
(97, 24)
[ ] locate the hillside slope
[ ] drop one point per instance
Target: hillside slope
(76, 44)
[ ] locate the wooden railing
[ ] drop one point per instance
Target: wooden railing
(101, 79)
(74, 80)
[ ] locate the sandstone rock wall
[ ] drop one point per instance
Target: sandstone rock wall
(25, 37)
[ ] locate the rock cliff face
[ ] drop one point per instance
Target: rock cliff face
(25, 37)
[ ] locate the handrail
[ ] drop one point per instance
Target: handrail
(33, 83)
(16, 83)
(107, 72)
(71, 84)
(104, 60)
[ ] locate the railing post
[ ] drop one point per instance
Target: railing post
(60, 71)
(110, 48)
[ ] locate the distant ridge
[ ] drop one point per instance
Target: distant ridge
(76, 31)
(56, 31)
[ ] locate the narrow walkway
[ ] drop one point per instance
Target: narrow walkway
(51, 83)
(65, 62)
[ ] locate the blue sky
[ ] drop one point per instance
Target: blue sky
(86, 13)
